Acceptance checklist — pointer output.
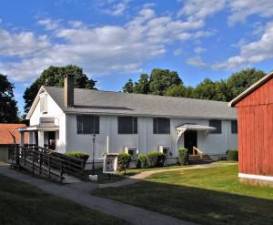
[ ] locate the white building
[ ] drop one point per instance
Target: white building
(66, 119)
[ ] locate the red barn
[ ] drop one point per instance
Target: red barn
(255, 129)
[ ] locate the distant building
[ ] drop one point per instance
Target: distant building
(255, 124)
(65, 119)
(9, 135)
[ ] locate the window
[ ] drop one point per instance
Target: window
(161, 126)
(88, 124)
(43, 103)
(217, 124)
(234, 127)
(132, 152)
(127, 125)
(164, 150)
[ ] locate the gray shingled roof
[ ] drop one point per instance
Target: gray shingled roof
(106, 102)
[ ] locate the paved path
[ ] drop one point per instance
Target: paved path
(145, 174)
(80, 193)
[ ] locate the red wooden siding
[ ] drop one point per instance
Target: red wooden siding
(255, 130)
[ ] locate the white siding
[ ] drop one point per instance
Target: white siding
(145, 140)
(53, 110)
(218, 143)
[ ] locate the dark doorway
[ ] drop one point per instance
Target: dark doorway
(190, 140)
(36, 139)
(51, 140)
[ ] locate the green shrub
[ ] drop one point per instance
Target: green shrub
(79, 155)
(156, 159)
(124, 160)
(142, 161)
(183, 156)
(232, 155)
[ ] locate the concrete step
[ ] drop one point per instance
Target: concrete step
(198, 159)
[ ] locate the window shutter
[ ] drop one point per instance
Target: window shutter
(43, 103)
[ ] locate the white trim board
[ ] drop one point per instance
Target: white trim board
(255, 177)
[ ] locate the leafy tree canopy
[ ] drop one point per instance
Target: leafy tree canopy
(128, 87)
(8, 107)
(240, 81)
(176, 91)
(54, 76)
(165, 82)
(161, 80)
(142, 86)
(156, 83)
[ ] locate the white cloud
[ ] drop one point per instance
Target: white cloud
(238, 10)
(199, 50)
(242, 9)
(196, 61)
(99, 50)
(178, 51)
(253, 52)
(22, 43)
(113, 7)
(49, 24)
(201, 9)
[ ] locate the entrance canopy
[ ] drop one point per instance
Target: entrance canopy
(196, 127)
(33, 133)
(39, 128)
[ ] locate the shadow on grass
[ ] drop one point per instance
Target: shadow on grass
(23, 204)
(194, 204)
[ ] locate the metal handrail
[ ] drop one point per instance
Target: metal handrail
(197, 151)
(45, 161)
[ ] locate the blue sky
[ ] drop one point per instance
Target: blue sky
(116, 40)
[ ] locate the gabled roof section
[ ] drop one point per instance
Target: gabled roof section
(116, 103)
(251, 89)
(35, 102)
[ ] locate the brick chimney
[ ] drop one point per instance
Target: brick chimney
(68, 90)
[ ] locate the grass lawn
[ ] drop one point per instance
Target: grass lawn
(22, 204)
(205, 196)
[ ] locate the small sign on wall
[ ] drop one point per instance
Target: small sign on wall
(110, 163)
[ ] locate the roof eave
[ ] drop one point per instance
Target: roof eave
(149, 115)
(35, 102)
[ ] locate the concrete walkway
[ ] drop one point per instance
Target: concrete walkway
(80, 193)
(145, 174)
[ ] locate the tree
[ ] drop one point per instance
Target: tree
(142, 86)
(166, 82)
(161, 80)
(176, 91)
(226, 90)
(240, 81)
(205, 90)
(157, 83)
(128, 87)
(54, 76)
(8, 107)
